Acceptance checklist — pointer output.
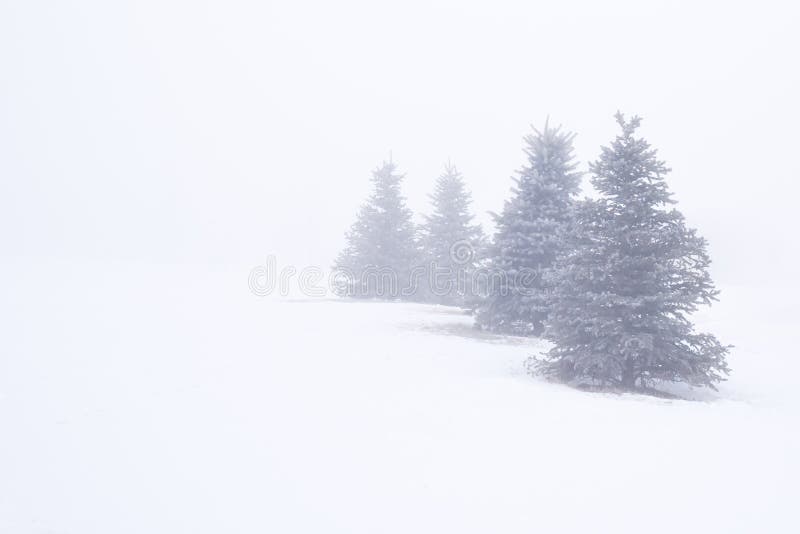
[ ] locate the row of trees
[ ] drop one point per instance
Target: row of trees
(611, 281)
(388, 256)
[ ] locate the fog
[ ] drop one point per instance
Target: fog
(221, 132)
(155, 154)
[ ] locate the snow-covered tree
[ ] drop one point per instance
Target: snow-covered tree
(450, 241)
(623, 292)
(381, 247)
(529, 235)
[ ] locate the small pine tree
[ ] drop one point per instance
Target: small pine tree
(622, 293)
(450, 241)
(529, 235)
(381, 246)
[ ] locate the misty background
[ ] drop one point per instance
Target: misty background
(153, 152)
(221, 132)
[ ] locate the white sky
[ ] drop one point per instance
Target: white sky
(223, 131)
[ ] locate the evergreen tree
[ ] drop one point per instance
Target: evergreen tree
(381, 247)
(450, 241)
(529, 235)
(622, 293)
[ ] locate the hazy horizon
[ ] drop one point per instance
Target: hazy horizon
(227, 131)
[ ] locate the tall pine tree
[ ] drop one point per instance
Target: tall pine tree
(450, 241)
(381, 246)
(529, 235)
(622, 294)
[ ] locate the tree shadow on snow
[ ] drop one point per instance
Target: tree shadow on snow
(663, 390)
(468, 331)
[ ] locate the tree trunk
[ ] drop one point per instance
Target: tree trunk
(628, 377)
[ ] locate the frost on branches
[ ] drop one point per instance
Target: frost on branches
(381, 247)
(450, 242)
(530, 234)
(622, 293)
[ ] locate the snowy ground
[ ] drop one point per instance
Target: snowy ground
(164, 400)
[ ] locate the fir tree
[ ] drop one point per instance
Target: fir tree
(450, 241)
(529, 235)
(622, 293)
(381, 247)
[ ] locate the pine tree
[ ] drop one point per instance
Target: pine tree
(622, 293)
(529, 235)
(450, 241)
(381, 247)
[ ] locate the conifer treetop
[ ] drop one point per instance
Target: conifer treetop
(621, 294)
(629, 168)
(529, 232)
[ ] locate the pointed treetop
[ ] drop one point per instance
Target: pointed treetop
(630, 164)
(450, 168)
(387, 167)
(628, 127)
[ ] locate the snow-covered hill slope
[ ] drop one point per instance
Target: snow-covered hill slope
(147, 400)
